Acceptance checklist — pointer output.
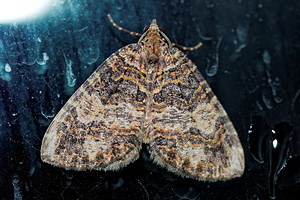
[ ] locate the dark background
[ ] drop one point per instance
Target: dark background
(250, 57)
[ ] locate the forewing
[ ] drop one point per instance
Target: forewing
(99, 126)
(192, 134)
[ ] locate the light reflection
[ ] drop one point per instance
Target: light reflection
(19, 10)
(275, 143)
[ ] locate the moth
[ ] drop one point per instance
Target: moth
(148, 92)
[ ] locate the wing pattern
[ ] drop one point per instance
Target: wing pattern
(192, 134)
(99, 127)
(146, 92)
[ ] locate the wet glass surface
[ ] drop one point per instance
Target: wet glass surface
(250, 58)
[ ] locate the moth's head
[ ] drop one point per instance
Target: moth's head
(153, 26)
(154, 40)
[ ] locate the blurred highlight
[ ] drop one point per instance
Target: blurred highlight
(12, 11)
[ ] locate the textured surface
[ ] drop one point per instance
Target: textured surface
(147, 92)
(192, 134)
(99, 127)
(250, 59)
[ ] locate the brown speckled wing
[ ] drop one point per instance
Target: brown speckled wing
(191, 135)
(99, 127)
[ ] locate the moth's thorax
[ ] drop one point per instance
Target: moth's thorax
(154, 42)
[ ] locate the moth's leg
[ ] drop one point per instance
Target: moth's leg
(188, 48)
(122, 29)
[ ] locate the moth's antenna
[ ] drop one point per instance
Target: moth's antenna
(139, 35)
(122, 29)
(188, 48)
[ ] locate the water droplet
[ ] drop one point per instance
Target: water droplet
(258, 131)
(266, 99)
(266, 57)
(17, 188)
(210, 5)
(7, 68)
(211, 70)
(118, 184)
(47, 111)
(5, 72)
(69, 175)
(240, 48)
(119, 4)
(278, 154)
(71, 79)
(41, 66)
(270, 146)
(89, 51)
(276, 90)
(290, 173)
(68, 183)
(212, 66)
(185, 192)
(242, 34)
(14, 114)
(32, 170)
(250, 81)
(43, 60)
(275, 143)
